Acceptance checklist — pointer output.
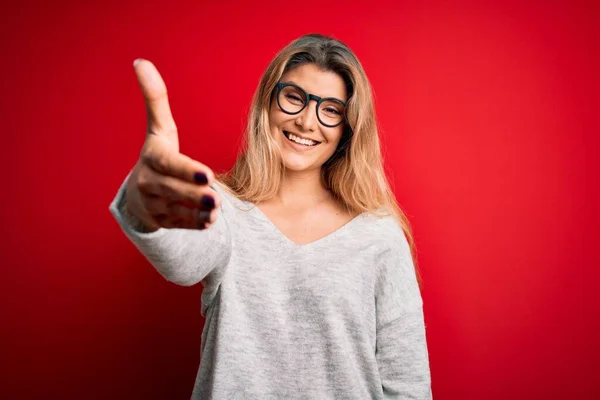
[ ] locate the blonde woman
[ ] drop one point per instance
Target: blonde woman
(310, 289)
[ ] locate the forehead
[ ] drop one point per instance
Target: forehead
(316, 81)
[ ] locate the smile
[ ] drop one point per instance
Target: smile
(298, 140)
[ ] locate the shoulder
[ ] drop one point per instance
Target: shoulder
(396, 285)
(393, 257)
(222, 189)
(386, 231)
(229, 200)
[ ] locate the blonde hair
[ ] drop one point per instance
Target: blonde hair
(355, 173)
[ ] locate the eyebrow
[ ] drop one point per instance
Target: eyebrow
(323, 97)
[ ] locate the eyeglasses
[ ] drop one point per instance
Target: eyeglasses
(292, 99)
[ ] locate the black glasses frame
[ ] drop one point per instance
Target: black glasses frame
(280, 85)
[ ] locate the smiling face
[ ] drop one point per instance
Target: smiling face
(305, 143)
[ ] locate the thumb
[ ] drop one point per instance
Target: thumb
(154, 90)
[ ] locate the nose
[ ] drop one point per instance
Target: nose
(307, 119)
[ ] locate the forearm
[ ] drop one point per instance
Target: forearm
(182, 256)
(403, 358)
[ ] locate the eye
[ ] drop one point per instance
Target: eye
(331, 111)
(294, 98)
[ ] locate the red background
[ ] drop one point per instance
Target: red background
(490, 124)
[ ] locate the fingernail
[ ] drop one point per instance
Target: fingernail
(202, 225)
(136, 61)
(204, 216)
(201, 178)
(208, 201)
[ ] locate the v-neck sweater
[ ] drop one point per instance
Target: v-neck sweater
(337, 318)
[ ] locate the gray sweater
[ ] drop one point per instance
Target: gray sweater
(338, 318)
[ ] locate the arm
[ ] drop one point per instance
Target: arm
(182, 256)
(402, 358)
(401, 349)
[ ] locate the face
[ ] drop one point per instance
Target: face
(317, 141)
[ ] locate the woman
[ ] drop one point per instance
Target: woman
(310, 291)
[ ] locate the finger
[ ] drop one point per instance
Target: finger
(174, 215)
(166, 161)
(172, 189)
(154, 90)
(147, 220)
(180, 224)
(156, 206)
(191, 225)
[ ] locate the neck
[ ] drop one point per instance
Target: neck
(302, 189)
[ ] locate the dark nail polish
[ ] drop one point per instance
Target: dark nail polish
(201, 178)
(204, 216)
(202, 225)
(208, 201)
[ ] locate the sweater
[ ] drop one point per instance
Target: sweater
(338, 318)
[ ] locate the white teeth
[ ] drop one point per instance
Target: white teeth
(305, 142)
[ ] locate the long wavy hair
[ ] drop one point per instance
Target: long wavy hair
(355, 173)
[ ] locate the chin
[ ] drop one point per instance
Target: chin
(297, 164)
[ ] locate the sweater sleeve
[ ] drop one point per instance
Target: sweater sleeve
(182, 256)
(401, 348)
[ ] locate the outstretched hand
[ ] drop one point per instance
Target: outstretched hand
(166, 188)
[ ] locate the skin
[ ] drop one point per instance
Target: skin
(304, 210)
(163, 189)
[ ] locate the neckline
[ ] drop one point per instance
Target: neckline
(289, 242)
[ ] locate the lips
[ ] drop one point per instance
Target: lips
(287, 135)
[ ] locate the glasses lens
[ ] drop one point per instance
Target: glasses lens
(331, 112)
(292, 99)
